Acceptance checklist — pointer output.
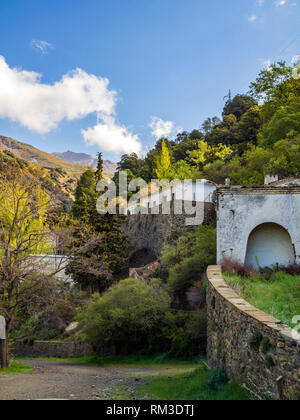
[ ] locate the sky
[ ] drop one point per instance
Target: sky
(115, 75)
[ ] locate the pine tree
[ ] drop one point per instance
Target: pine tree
(110, 250)
(99, 172)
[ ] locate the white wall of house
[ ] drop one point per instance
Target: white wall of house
(241, 211)
(202, 192)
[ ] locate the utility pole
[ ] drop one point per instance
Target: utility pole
(3, 343)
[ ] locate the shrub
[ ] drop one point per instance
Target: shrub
(255, 340)
(216, 378)
(188, 259)
(233, 266)
(128, 316)
(187, 334)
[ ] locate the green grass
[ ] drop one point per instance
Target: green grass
(278, 296)
(191, 386)
(160, 359)
(17, 368)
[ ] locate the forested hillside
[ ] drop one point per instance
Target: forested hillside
(259, 134)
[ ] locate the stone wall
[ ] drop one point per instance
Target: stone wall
(52, 349)
(272, 370)
(153, 231)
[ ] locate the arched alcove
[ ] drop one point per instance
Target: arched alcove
(269, 244)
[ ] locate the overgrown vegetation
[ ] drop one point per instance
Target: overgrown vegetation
(259, 134)
(194, 386)
(162, 315)
(277, 294)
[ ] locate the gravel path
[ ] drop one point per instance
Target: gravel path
(58, 380)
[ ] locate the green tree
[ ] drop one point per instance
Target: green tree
(129, 316)
(99, 172)
(85, 197)
(163, 162)
(239, 105)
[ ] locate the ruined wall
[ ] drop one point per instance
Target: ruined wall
(272, 371)
(153, 231)
(51, 349)
(241, 210)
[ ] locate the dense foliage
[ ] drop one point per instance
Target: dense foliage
(187, 259)
(259, 134)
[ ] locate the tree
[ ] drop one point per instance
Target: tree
(130, 162)
(97, 240)
(210, 124)
(85, 197)
(239, 105)
(99, 172)
(128, 316)
(163, 162)
(274, 83)
(23, 232)
(206, 154)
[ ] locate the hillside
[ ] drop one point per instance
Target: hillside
(55, 181)
(85, 159)
(40, 158)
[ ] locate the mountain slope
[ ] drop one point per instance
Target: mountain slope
(40, 158)
(84, 159)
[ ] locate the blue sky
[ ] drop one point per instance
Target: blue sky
(168, 65)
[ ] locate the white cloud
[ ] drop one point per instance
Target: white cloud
(40, 46)
(111, 137)
(279, 3)
(161, 128)
(260, 2)
(252, 18)
(41, 107)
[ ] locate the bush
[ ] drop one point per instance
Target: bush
(232, 266)
(188, 259)
(217, 377)
(188, 334)
(130, 316)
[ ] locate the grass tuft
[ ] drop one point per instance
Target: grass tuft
(17, 368)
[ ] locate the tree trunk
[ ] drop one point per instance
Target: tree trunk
(4, 354)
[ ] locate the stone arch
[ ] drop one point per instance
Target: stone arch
(269, 244)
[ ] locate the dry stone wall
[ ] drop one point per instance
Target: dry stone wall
(254, 348)
(51, 349)
(153, 231)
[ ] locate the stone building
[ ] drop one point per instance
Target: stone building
(260, 226)
(150, 232)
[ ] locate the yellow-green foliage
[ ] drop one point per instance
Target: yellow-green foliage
(23, 216)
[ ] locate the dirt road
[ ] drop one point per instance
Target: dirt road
(59, 380)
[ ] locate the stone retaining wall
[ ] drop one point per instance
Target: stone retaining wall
(270, 367)
(52, 349)
(153, 231)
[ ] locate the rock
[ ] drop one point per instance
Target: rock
(71, 328)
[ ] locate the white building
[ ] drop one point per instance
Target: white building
(260, 226)
(201, 191)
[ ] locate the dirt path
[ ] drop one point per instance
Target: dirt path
(58, 380)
